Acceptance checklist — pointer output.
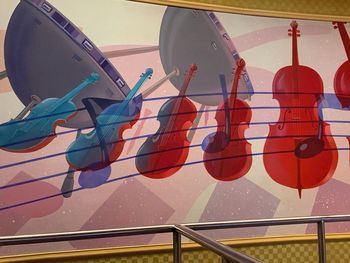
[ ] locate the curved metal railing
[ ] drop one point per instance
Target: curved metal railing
(190, 231)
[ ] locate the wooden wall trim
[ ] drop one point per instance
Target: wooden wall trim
(331, 10)
(167, 248)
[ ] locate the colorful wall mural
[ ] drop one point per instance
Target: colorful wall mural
(249, 121)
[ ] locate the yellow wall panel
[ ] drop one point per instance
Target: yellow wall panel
(336, 10)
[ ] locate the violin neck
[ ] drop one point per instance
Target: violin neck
(233, 96)
(70, 95)
(182, 93)
(234, 89)
(295, 57)
(227, 127)
(73, 93)
(294, 32)
(127, 100)
(185, 85)
(176, 107)
(345, 38)
(160, 82)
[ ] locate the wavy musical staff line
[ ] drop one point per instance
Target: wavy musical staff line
(164, 115)
(132, 157)
(147, 135)
(137, 174)
(329, 97)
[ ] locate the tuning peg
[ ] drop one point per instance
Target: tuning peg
(194, 67)
(294, 24)
(298, 34)
(240, 62)
(289, 34)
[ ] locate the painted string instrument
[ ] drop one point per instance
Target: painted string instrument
(295, 152)
(38, 129)
(342, 76)
(227, 154)
(163, 153)
(104, 144)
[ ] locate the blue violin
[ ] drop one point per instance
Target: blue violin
(38, 128)
(104, 144)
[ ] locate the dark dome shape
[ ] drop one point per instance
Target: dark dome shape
(47, 55)
(190, 36)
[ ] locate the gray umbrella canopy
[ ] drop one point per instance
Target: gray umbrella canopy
(192, 36)
(48, 56)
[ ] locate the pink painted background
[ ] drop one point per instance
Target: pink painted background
(191, 195)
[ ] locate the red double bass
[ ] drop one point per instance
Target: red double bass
(227, 154)
(299, 151)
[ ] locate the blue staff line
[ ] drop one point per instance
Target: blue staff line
(157, 116)
(183, 96)
(13, 122)
(147, 135)
(151, 171)
(321, 94)
(162, 151)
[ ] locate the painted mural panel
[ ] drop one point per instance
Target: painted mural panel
(117, 114)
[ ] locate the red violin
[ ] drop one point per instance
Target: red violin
(227, 154)
(299, 151)
(164, 153)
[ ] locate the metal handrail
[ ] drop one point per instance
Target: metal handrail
(187, 230)
(225, 251)
(80, 235)
(267, 222)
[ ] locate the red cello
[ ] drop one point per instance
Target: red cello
(164, 153)
(295, 152)
(227, 154)
(342, 76)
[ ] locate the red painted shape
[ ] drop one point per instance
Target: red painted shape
(342, 76)
(228, 154)
(294, 153)
(164, 153)
(11, 220)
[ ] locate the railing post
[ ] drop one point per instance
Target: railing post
(321, 238)
(224, 260)
(176, 246)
